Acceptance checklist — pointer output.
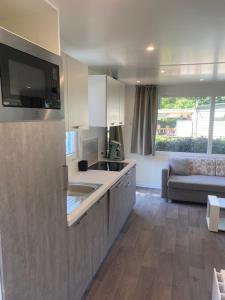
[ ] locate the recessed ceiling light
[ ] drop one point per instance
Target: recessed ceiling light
(150, 48)
(138, 81)
(202, 79)
(162, 71)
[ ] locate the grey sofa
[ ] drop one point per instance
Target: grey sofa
(193, 179)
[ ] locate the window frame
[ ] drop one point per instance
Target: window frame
(74, 155)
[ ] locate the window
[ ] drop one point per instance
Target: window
(71, 143)
(185, 124)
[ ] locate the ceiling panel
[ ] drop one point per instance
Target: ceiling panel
(113, 35)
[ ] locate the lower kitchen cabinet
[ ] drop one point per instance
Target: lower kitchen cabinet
(129, 191)
(99, 232)
(115, 211)
(121, 202)
(87, 247)
(94, 233)
(80, 266)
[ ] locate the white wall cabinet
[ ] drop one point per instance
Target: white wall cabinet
(75, 93)
(122, 103)
(106, 98)
(35, 21)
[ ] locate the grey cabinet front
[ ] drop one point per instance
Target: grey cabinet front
(94, 233)
(80, 271)
(32, 211)
(129, 191)
(115, 209)
(121, 202)
(87, 247)
(99, 232)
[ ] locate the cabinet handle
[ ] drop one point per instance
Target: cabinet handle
(128, 184)
(100, 200)
(81, 218)
(121, 122)
(76, 127)
(112, 123)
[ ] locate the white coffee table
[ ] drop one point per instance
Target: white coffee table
(214, 204)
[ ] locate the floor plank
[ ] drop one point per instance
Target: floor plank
(163, 252)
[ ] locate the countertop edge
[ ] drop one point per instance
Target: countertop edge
(92, 199)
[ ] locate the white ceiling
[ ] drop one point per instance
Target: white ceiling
(112, 35)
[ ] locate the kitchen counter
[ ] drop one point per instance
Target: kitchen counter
(105, 178)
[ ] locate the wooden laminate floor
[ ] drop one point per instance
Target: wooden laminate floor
(163, 252)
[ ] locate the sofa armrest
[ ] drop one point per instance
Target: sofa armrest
(164, 189)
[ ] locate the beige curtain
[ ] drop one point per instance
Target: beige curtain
(145, 120)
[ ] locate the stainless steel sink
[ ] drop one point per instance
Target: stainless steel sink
(82, 188)
(78, 192)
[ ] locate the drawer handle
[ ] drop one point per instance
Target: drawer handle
(81, 218)
(76, 127)
(100, 200)
(121, 122)
(112, 123)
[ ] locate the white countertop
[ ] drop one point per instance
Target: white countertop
(105, 178)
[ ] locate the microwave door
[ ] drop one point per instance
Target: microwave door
(28, 81)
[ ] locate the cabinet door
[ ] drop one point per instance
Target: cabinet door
(76, 93)
(112, 102)
(80, 265)
(99, 232)
(33, 211)
(121, 103)
(114, 206)
(129, 191)
(116, 210)
(97, 100)
(88, 239)
(65, 91)
(133, 186)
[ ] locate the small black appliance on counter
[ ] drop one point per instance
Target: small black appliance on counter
(83, 165)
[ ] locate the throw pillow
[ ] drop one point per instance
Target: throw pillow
(194, 166)
(179, 166)
(220, 167)
(207, 167)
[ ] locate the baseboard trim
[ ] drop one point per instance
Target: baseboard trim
(147, 186)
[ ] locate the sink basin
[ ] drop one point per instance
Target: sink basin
(78, 192)
(82, 189)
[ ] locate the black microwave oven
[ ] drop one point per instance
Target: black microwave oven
(29, 80)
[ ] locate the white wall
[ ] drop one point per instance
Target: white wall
(149, 167)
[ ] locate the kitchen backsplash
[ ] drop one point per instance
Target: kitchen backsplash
(91, 145)
(90, 150)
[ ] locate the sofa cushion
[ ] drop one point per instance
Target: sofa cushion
(202, 166)
(220, 167)
(179, 166)
(198, 183)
